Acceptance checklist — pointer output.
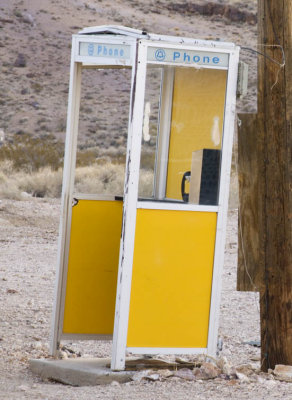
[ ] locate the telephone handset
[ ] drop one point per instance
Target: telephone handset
(203, 178)
(186, 177)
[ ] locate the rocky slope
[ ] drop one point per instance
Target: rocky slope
(35, 37)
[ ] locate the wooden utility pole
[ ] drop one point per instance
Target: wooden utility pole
(275, 146)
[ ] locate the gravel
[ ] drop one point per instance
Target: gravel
(28, 236)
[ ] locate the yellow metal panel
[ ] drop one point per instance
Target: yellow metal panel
(197, 118)
(93, 267)
(172, 278)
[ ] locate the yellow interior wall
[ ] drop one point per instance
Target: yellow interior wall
(172, 278)
(93, 267)
(198, 97)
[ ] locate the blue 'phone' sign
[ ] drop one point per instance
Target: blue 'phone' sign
(185, 56)
(104, 50)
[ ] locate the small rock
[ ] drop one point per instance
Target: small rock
(254, 343)
(63, 355)
(283, 371)
(243, 378)
(153, 377)
(115, 383)
(38, 345)
(25, 195)
(226, 368)
(255, 358)
(23, 388)
(140, 375)
(20, 62)
(198, 374)
(220, 344)
(261, 380)
(35, 105)
(245, 369)
(27, 18)
(186, 374)
(209, 370)
(2, 135)
(271, 383)
(11, 291)
(165, 373)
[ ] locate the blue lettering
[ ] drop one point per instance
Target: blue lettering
(104, 51)
(206, 59)
(216, 60)
(110, 52)
(121, 53)
(196, 59)
(176, 55)
(187, 58)
(90, 49)
(99, 49)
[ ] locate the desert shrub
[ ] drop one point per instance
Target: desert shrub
(8, 185)
(146, 183)
(99, 178)
(102, 178)
(86, 157)
(43, 183)
(29, 153)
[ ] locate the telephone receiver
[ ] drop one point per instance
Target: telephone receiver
(186, 177)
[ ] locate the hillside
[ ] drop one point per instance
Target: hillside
(35, 38)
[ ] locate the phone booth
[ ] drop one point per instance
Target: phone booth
(143, 268)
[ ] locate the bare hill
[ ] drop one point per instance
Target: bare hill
(35, 38)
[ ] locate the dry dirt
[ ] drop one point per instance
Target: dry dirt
(28, 237)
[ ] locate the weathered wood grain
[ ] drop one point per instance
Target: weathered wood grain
(275, 122)
(250, 265)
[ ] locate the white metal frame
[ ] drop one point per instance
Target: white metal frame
(166, 350)
(228, 128)
(66, 211)
(138, 61)
(77, 63)
(129, 211)
(122, 310)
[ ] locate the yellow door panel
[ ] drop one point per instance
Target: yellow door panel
(172, 278)
(196, 122)
(93, 267)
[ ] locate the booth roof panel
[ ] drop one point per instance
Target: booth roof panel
(141, 34)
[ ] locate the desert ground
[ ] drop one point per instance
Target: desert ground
(35, 37)
(28, 236)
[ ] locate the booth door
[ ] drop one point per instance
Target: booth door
(176, 223)
(93, 237)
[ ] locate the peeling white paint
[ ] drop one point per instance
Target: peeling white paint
(215, 132)
(146, 135)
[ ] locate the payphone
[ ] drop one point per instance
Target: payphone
(143, 267)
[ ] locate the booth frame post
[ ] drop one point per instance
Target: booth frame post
(229, 121)
(166, 97)
(68, 179)
(129, 209)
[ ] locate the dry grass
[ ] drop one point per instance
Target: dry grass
(16, 184)
(104, 178)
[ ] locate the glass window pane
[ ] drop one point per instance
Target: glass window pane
(103, 130)
(196, 135)
(149, 132)
(186, 107)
